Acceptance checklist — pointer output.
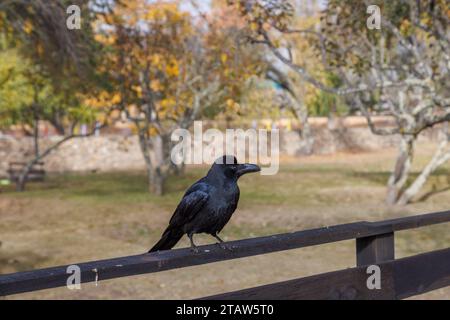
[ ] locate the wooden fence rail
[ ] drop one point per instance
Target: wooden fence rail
(374, 245)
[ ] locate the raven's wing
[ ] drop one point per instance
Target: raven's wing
(193, 201)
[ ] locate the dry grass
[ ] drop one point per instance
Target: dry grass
(75, 218)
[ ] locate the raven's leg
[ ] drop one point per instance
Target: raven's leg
(193, 246)
(218, 238)
(221, 242)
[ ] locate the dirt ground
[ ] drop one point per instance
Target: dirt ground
(79, 217)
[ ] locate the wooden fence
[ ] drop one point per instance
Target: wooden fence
(400, 278)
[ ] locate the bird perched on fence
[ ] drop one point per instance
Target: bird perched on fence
(207, 205)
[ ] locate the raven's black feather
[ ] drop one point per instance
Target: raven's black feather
(208, 204)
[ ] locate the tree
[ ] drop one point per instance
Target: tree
(299, 95)
(169, 70)
(38, 28)
(29, 97)
(50, 72)
(401, 70)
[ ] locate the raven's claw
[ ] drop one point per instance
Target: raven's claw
(224, 246)
(194, 249)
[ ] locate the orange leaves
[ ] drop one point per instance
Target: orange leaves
(230, 103)
(155, 85)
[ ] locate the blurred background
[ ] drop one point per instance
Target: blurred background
(91, 91)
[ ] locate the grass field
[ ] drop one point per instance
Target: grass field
(78, 217)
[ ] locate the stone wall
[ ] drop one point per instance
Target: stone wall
(81, 154)
(117, 152)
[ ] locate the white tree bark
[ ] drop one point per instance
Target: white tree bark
(440, 157)
(399, 175)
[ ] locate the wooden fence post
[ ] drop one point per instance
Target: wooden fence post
(375, 249)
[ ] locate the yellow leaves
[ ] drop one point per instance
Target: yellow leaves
(167, 64)
(164, 12)
(138, 90)
(27, 27)
(254, 26)
(152, 131)
(155, 85)
(105, 39)
(155, 59)
(226, 72)
(172, 68)
(426, 21)
(103, 99)
(168, 103)
(116, 98)
(40, 49)
(405, 26)
(232, 105)
(276, 43)
(223, 58)
(99, 38)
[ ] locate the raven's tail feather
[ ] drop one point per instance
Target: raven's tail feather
(168, 240)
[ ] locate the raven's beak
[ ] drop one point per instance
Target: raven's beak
(247, 168)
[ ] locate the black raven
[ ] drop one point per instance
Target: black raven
(207, 205)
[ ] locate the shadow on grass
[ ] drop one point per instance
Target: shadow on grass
(381, 178)
(377, 177)
(131, 186)
(431, 193)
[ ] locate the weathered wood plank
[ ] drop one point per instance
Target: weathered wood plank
(348, 284)
(375, 249)
(400, 279)
(178, 258)
(422, 273)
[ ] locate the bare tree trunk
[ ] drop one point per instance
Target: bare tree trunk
(400, 174)
(439, 158)
(159, 157)
(143, 143)
(307, 139)
(21, 181)
(20, 186)
(177, 170)
(36, 137)
(157, 182)
(156, 153)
